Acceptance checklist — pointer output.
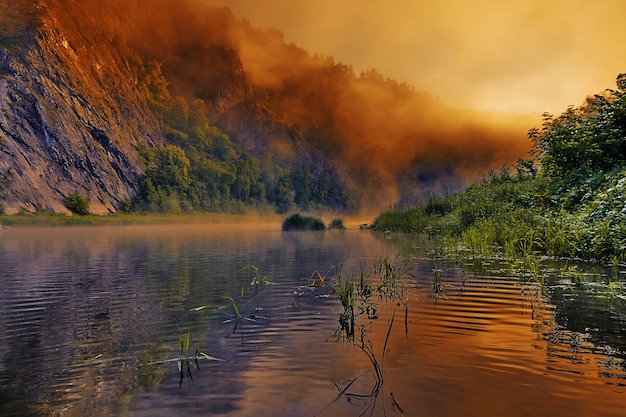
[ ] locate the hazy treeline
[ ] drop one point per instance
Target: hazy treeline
(202, 169)
(568, 200)
(276, 102)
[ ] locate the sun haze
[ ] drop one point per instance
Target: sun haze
(524, 57)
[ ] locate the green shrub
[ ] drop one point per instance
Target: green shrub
(77, 204)
(337, 224)
(299, 222)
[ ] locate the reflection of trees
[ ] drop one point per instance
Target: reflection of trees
(578, 316)
(84, 309)
(578, 309)
(82, 299)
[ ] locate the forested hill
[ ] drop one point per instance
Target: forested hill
(179, 106)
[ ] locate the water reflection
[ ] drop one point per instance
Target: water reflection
(84, 311)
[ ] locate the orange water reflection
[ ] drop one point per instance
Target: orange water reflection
(84, 309)
(488, 350)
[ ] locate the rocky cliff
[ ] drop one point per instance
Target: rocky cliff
(71, 115)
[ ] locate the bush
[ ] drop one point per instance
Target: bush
(299, 222)
(337, 224)
(77, 204)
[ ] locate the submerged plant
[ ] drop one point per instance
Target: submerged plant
(186, 361)
(344, 290)
(365, 345)
(359, 311)
(239, 306)
(437, 284)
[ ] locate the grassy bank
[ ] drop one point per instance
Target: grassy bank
(568, 201)
(48, 219)
(518, 216)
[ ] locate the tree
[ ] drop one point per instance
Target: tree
(248, 186)
(154, 87)
(302, 184)
(586, 139)
(282, 195)
(77, 204)
(169, 169)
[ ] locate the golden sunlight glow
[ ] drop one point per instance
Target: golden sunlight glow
(529, 57)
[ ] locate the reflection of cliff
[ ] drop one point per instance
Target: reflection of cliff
(83, 310)
(69, 319)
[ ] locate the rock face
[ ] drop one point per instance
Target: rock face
(71, 115)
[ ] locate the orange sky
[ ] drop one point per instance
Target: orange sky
(526, 56)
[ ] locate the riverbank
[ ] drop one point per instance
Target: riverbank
(121, 219)
(18, 220)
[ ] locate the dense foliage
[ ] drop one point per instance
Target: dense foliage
(201, 169)
(574, 205)
(77, 204)
(298, 221)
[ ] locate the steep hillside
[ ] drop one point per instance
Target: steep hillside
(271, 96)
(73, 112)
(71, 115)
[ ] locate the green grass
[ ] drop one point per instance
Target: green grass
(52, 219)
(298, 221)
(337, 224)
(187, 361)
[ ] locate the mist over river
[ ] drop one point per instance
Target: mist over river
(92, 320)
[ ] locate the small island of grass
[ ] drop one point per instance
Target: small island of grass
(299, 222)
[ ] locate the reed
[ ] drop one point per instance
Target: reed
(257, 280)
(239, 310)
(337, 223)
(360, 310)
(344, 290)
(186, 361)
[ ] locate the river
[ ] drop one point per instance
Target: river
(92, 320)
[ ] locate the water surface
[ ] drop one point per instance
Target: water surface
(85, 311)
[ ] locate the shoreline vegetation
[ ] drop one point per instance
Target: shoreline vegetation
(298, 221)
(121, 219)
(568, 201)
(49, 219)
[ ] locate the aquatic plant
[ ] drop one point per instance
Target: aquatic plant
(239, 306)
(239, 310)
(360, 310)
(437, 284)
(186, 361)
(297, 221)
(337, 224)
(344, 290)
(365, 345)
(257, 280)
